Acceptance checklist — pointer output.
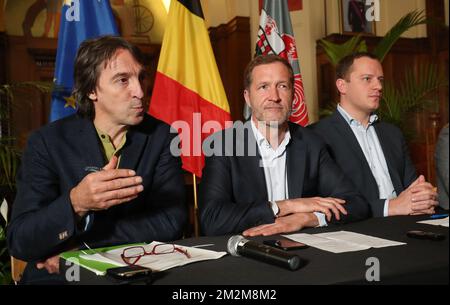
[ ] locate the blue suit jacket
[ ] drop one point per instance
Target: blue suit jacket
(233, 192)
(345, 150)
(43, 222)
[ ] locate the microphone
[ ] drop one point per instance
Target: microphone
(238, 245)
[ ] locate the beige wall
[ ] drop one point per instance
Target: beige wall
(15, 14)
(446, 11)
(392, 11)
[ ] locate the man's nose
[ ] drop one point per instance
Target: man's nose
(274, 94)
(137, 90)
(378, 84)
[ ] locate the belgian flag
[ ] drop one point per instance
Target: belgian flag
(187, 86)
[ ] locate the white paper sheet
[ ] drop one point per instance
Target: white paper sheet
(436, 222)
(4, 210)
(342, 241)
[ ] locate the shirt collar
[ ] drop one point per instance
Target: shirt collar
(108, 147)
(260, 139)
(350, 120)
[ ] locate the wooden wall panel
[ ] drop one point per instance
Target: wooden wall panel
(231, 45)
(3, 50)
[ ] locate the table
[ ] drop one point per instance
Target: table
(417, 262)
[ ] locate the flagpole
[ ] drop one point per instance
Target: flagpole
(194, 185)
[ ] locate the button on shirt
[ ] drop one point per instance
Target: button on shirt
(273, 162)
(371, 147)
(108, 147)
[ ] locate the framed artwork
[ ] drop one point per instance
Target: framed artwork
(353, 17)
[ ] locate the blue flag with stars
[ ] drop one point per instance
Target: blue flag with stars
(80, 20)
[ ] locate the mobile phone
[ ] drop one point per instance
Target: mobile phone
(128, 272)
(285, 244)
(425, 235)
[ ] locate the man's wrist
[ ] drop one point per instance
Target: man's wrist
(311, 220)
(307, 220)
(79, 212)
(393, 207)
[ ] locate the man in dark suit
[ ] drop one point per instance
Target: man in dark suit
(67, 197)
(372, 153)
(272, 176)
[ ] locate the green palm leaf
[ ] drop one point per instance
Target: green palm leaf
(335, 52)
(9, 161)
(414, 93)
(404, 24)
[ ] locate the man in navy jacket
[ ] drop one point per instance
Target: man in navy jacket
(102, 177)
(372, 153)
(274, 176)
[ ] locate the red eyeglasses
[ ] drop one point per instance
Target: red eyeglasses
(133, 254)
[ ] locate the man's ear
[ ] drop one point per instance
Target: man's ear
(247, 98)
(92, 96)
(341, 85)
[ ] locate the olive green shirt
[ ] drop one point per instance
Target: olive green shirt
(108, 147)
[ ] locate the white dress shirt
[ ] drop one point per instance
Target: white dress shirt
(275, 171)
(371, 147)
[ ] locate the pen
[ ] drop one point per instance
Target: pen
(438, 216)
(201, 246)
(92, 169)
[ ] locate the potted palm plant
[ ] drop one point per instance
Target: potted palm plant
(9, 163)
(335, 52)
(5, 264)
(9, 160)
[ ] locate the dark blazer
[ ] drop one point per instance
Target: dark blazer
(233, 193)
(441, 157)
(345, 150)
(43, 222)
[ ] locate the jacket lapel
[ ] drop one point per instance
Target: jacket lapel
(348, 136)
(253, 164)
(295, 163)
(93, 154)
(390, 157)
(89, 144)
(133, 149)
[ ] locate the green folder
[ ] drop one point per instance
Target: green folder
(98, 268)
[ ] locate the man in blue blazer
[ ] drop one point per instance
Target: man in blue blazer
(372, 153)
(102, 177)
(271, 176)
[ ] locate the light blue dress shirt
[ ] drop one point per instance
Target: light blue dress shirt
(371, 147)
